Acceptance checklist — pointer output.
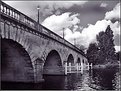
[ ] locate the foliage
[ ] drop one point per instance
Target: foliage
(118, 55)
(104, 51)
(92, 53)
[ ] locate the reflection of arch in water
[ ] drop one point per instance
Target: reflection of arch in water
(53, 64)
(16, 65)
(70, 59)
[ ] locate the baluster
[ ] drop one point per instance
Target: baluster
(18, 16)
(26, 20)
(4, 9)
(29, 23)
(1, 8)
(9, 12)
(14, 14)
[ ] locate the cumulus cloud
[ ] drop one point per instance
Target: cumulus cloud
(70, 24)
(91, 31)
(58, 23)
(88, 35)
(103, 5)
(66, 4)
(117, 48)
(113, 14)
(47, 8)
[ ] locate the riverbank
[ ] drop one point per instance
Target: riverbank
(106, 66)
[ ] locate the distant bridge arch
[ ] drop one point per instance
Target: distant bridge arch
(53, 63)
(70, 59)
(78, 60)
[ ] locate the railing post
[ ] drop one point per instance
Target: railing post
(77, 67)
(70, 67)
(82, 67)
(65, 68)
(88, 66)
(91, 65)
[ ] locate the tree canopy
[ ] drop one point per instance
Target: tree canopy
(104, 50)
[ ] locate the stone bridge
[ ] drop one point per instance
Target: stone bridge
(29, 50)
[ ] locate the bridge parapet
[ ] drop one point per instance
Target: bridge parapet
(13, 13)
(10, 12)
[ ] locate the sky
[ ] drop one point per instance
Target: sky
(80, 20)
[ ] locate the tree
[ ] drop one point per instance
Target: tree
(92, 53)
(106, 46)
(101, 44)
(118, 55)
(82, 48)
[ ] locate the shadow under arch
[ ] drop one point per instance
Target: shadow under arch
(70, 59)
(16, 65)
(53, 64)
(78, 61)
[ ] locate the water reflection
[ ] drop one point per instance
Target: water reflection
(103, 79)
(53, 82)
(89, 81)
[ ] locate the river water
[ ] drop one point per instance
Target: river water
(90, 81)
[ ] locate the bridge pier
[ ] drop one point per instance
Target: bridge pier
(38, 72)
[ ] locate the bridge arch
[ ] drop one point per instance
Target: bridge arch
(70, 59)
(78, 61)
(16, 63)
(53, 64)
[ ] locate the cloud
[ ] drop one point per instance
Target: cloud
(103, 5)
(46, 7)
(113, 14)
(117, 48)
(58, 23)
(67, 4)
(88, 34)
(70, 23)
